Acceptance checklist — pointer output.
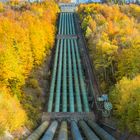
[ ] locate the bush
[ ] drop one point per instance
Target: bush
(1, 7)
(126, 98)
(39, 92)
(12, 115)
(33, 83)
(32, 106)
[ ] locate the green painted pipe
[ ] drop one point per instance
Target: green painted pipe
(100, 131)
(76, 81)
(60, 23)
(39, 131)
(82, 84)
(70, 25)
(59, 78)
(73, 27)
(90, 135)
(53, 81)
(65, 23)
(63, 134)
(49, 134)
(64, 106)
(68, 29)
(71, 97)
(75, 131)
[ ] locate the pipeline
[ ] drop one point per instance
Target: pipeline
(76, 135)
(77, 86)
(63, 134)
(65, 24)
(59, 76)
(65, 78)
(60, 21)
(88, 130)
(71, 92)
(70, 24)
(49, 134)
(52, 88)
(99, 131)
(67, 52)
(73, 27)
(81, 77)
(62, 29)
(90, 135)
(39, 131)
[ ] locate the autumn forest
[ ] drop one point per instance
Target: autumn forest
(113, 36)
(27, 39)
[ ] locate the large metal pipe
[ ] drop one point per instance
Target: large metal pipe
(73, 23)
(100, 131)
(64, 101)
(49, 134)
(75, 131)
(53, 81)
(59, 79)
(65, 23)
(90, 135)
(63, 134)
(62, 28)
(71, 97)
(59, 32)
(76, 80)
(70, 24)
(81, 77)
(39, 131)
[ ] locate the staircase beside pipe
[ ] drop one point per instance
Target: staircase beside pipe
(69, 112)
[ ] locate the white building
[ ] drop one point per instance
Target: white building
(79, 1)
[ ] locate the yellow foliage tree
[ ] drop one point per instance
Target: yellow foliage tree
(126, 98)
(12, 116)
(27, 34)
(114, 45)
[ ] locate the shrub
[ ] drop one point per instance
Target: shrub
(39, 91)
(12, 115)
(126, 98)
(1, 7)
(33, 83)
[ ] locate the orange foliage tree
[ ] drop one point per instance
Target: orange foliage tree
(27, 34)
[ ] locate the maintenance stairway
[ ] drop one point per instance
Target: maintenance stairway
(68, 113)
